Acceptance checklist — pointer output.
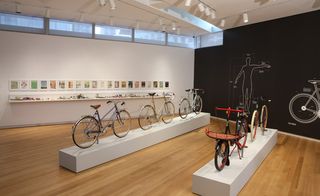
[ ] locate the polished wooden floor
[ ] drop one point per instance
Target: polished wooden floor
(29, 166)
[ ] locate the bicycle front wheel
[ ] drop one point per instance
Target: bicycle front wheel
(254, 125)
(304, 108)
(197, 107)
(263, 118)
(221, 157)
(122, 124)
(184, 108)
(85, 132)
(147, 116)
(168, 112)
(243, 132)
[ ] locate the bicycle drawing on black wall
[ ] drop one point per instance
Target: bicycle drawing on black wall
(304, 107)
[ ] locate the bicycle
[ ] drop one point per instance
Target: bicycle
(87, 130)
(304, 107)
(148, 114)
(193, 102)
(256, 120)
(226, 139)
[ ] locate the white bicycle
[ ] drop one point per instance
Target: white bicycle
(191, 103)
(304, 107)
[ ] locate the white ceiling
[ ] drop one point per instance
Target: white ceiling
(131, 12)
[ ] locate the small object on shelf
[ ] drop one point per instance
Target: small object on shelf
(99, 96)
(81, 96)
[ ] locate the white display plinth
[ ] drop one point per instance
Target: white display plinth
(208, 181)
(76, 159)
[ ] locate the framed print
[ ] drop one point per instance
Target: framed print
(102, 84)
(155, 84)
(34, 84)
(116, 84)
(14, 85)
(130, 84)
(44, 84)
(160, 84)
(136, 84)
(123, 84)
(24, 84)
(166, 84)
(70, 84)
(149, 84)
(143, 84)
(62, 84)
(53, 84)
(78, 84)
(109, 84)
(94, 84)
(86, 84)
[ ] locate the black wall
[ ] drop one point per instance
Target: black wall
(290, 45)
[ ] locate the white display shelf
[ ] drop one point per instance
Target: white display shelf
(76, 159)
(208, 181)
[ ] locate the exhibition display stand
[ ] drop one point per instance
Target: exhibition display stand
(76, 159)
(208, 181)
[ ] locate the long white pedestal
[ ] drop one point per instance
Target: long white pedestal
(208, 181)
(76, 159)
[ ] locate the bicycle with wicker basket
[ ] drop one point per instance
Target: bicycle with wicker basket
(227, 139)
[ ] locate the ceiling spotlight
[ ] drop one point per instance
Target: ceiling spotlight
(174, 26)
(207, 11)
(187, 3)
(111, 21)
(47, 13)
(213, 14)
(18, 9)
(112, 4)
(138, 25)
(245, 17)
(178, 31)
(163, 28)
(222, 22)
(81, 19)
(102, 2)
(201, 7)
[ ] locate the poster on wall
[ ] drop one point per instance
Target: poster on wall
(166, 84)
(79, 84)
(136, 84)
(14, 85)
(53, 84)
(155, 84)
(143, 84)
(94, 84)
(86, 84)
(44, 84)
(70, 84)
(116, 84)
(62, 84)
(102, 84)
(34, 84)
(24, 85)
(130, 84)
(110, 84)
(160, 84)
(149, 84)
(123, 84)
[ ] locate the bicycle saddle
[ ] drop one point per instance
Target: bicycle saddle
(152, 94)
(314, 81)
(95, 106)
(188, 90)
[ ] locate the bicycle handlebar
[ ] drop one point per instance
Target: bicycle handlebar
(230, 110)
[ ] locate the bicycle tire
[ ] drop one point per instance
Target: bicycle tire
(81, 132)
(221, 157)
(264, 118)
(254, 125)
(184, 108)
(121, 126)
(197, 107)
(296, 105)
(147, 117)
(243, 132)
(168, 112)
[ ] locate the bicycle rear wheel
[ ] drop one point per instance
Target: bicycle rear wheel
(184, 108)
(122, 124)
(85, 132)
(221, 157)
(304, 108)
(254, 125)
(168, 112)
(197, 104)
(264, 118)
(243, 132)
(147, 116)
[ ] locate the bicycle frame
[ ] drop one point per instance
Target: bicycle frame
(315, 92)
(158, 114)
(112, 118)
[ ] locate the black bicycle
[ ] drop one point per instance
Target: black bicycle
(87, 130)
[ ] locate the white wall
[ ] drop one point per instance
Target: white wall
(31, 56)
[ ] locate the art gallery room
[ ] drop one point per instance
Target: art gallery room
(160, 97)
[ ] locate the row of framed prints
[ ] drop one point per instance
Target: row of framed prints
(22, 85)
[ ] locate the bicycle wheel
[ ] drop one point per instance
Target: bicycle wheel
(304, 108)
(147, 116)
(221, 157)
(254, 125)
(243, 132)
(184, 108)
(197, 107)
(168, 112)
(85, 132)
(264, 118)
(122, 124)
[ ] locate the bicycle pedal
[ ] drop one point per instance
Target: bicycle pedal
(245, 146)
(228, 162)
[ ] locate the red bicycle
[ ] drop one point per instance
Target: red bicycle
(227, 139)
